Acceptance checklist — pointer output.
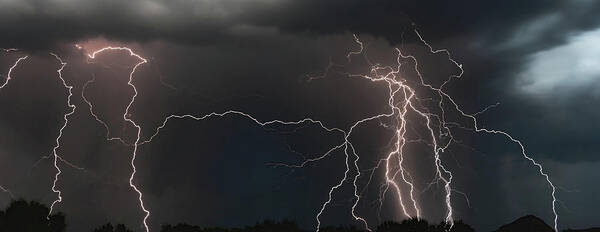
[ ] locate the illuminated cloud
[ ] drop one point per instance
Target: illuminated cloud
(561, 70)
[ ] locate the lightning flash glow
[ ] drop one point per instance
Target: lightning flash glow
(402, 99)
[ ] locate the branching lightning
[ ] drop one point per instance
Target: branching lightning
(478, 128)
(60, 133)
(126, 117)
(402, 101)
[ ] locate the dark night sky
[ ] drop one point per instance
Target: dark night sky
(539, 59)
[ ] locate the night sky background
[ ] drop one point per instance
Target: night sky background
(539, 59)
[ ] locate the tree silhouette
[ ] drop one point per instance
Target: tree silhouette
(181, 228)
(265, 226)
(270, 226)
(109, 228)
(459, 226)
(420, 225)
(410, 225)
(23, 216)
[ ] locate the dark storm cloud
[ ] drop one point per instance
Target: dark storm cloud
(252, 55)
(38, 24)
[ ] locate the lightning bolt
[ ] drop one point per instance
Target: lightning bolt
(72, 108)
(126, 117)
(409, 100)
(6, 80)
(394, 87)
(66, 121)
(478, 128)
(441, 138)
(8, 76)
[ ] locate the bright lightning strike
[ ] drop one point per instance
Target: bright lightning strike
(126, 117)
(408, 101)
(60, 133)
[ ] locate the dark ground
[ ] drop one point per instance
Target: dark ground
(23, 216)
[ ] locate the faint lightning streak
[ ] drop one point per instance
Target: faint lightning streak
(358, 173)
(8, 77)
(60, 133)
(346, 145)
(91, 107)
(332, 65)
(486, 109)
(127, 119)
(235, 112)
(3, 189)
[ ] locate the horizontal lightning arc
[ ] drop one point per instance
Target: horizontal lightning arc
(267, 123)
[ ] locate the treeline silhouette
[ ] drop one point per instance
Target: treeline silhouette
(413, 225)
(24, 216)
